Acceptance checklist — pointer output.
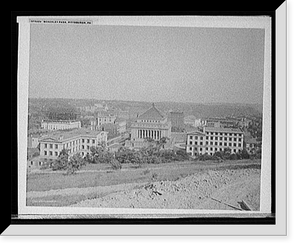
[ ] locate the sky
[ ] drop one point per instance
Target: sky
(154, 64)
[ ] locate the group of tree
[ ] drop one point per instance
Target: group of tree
(153, 153)
(227, 155)
(68, 163)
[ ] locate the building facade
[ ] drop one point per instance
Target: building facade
(152, 124)
(177, 120)
(76, 141)
(105, 119)
(60, 125)
(213, 139)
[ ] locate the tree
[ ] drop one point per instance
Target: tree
(75, 163)
(162, 142)
(245, 154)
(61, 163)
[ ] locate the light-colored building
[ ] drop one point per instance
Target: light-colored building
(32, 141)
(213, 139)
(60, 125)
(151, 124)
(103, 119)
(75, 141)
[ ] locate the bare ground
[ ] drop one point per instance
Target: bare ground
(215, 189)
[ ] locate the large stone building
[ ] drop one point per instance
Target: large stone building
(75, 141)
(213, 139)
(151, 124)
(60, 125)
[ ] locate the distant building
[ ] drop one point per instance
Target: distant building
(189, 120)
(213, 139)
(75, 141)
(32, 141)
(252, 145)
(60, 125)
(151, 124)
(222, 122)
(102, 119)
(177, 120)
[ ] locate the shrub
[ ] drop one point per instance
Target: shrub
(115, 164)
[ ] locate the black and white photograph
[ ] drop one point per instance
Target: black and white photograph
(145, 117)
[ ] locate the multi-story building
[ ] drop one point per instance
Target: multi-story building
(60, 125)
(102, 119)
(177, 120)
(75, 141)
(151, 124)
(213, 139)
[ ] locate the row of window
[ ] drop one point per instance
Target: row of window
(215, 143)
(211, 149)
(73, 143)
(216, 134)
(73, 149)
(217, 138)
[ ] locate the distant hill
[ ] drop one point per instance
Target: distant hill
(135, 108)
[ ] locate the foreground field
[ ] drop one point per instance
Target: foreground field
(171, 185)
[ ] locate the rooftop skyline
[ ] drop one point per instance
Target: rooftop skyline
(153, 64)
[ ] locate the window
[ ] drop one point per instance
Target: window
(229, 144)
(45, 146)
(88, 141)
(56, 146)
(221, 133)
(45, 153)
(211, 138)
(225, 138)
(51, 146)
(211, 143)
(234, 139)
(220, 144)
(211, 148)
(56, 153)
(230, 139)
(82, 147)
(201, 143)
(216, 143)
(225, 144)
(191, 142)
(206, 138)
(93, 141)
(201, 138)
(240, 145)
(191, 148)
(191, 137)
(234, 144)
(82, 140)
(196, 137)
(216, 138)
(196, 143)
(200, 149)
(240, 139)
(216, 133)
(50, 152)
(221, 138)
(206, 148)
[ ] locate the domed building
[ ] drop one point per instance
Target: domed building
(151, 124)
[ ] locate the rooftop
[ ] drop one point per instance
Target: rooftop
(65, 135)
(223, 129)
(151, 114)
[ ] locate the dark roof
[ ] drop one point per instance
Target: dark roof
(151, 114)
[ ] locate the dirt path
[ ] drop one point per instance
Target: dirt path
(192, 192)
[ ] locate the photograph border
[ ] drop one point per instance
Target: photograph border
(265, 220)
